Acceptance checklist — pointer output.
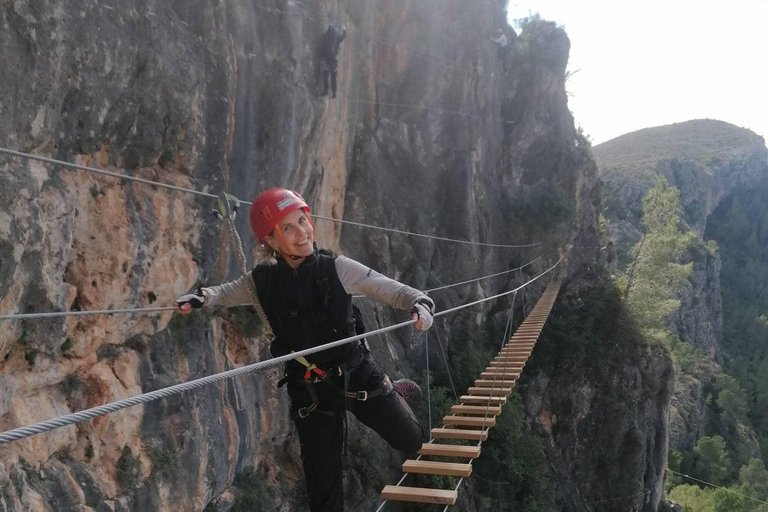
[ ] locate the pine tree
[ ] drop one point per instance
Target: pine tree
(656, 277)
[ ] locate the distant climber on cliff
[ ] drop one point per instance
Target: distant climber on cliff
(330, 52)
(503, 47)
(306, 295)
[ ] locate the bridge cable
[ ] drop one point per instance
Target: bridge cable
(56, 314)
(52, 161)
(717, 486)
(69, 419)
(431, 439)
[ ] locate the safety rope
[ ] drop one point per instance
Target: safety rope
(431, 237)
(525, 312)
(436, 110)
(118, 175)
(509, 324)
(717, 486)
(54, 314)
(429, 392)
(69, 419)
(52, 161)
(377, 39)
(507, 330)
(484, 277)
(237, 246)
(453, 285)
(445, 361)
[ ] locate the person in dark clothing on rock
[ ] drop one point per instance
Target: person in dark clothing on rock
(306, 295)
(330, 55)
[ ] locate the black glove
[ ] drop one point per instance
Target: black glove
(195, 299)
(425, 308)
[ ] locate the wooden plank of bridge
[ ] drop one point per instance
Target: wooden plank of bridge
(488, 383)
(515, 365)
(475, 399)
(501, 375)
(460, 433)
(450, 450)
(469, 421)
(476, 409)
(487, 391)
(429, 467)
(419, 495)
(490, 393)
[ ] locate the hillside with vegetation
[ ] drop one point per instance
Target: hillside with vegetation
(705, 159)
(694, 279)
(636, 155)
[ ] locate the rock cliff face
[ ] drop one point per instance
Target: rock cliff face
(427, 134)
(598, 395)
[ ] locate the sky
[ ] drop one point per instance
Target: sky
(651, 63)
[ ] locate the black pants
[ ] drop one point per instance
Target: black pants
(322, 436)
(329, 79)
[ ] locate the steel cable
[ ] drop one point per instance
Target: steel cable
(69, 419)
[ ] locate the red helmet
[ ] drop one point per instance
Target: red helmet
(271, 207)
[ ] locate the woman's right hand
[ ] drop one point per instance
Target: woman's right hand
(185, 303)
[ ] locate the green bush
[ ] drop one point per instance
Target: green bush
(127, 468)
(71, 383)
(256, 496)
(543, 207)
(66, 346)
(689, 360)
(516, 457)
(163, 462)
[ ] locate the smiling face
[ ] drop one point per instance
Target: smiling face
(298, 235)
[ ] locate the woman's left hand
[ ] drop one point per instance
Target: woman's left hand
(423, 311)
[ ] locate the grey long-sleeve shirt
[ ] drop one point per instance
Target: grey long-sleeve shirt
(356, 278)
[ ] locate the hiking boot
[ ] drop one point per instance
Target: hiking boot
(407, 389)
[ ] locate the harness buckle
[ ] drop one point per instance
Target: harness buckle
(306, 411)
(362, 396)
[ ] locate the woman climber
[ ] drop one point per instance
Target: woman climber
(306, 296)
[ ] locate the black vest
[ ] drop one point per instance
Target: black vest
(307, 306)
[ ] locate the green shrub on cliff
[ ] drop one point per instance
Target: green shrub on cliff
(544, 208)
(655, 277)
(127, 468)
(511, 471)
(696, 499)
(256, 495)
